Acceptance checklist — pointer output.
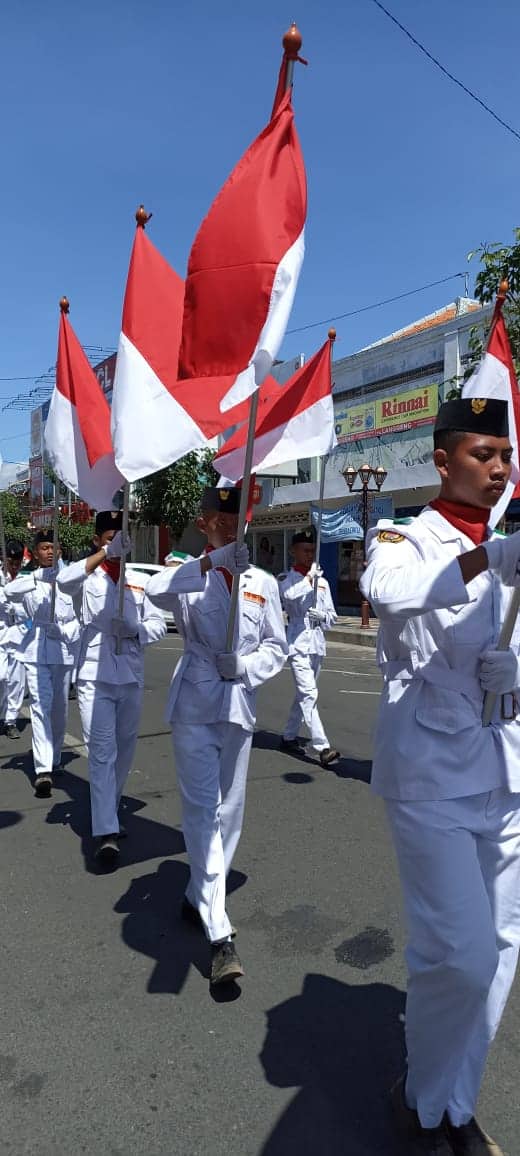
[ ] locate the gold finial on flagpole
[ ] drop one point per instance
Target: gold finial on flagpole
(292, 42)
(64, 304)
(503, 288)
(332, 335)
(142, 217)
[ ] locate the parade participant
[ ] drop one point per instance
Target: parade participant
(211, 706)
(308, 617)
(110, 678)
(17, 622)
(47, 653)
(451, 786)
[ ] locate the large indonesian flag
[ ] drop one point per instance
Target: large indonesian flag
(298, 422)
(77, 431)
(155, 418)
(244, 266)
(495, 376)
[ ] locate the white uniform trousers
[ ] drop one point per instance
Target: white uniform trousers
(211, 763)
(306, 669)
(12, 690)
(48, 688)
(459, 862)
(110, 715)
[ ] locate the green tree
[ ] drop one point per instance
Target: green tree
(173, 495)
(498, 262)
(15, 514)
(75, 538)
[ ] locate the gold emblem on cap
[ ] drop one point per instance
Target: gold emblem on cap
(478, 404)
(224, 494)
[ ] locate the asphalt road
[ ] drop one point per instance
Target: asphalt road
(110, 1040)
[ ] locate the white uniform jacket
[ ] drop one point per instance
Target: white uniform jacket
(429, 741)
(33, 592)
(200, 603)
(96, 600)
(297, 594)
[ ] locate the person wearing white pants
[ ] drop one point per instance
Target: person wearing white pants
(110, 678)
(211, 707)
(307, 601)
(47, 651)
(451, 786)
(12, 691)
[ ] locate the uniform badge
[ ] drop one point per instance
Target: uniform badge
(390, 536)
(223, 495)
(478, 404)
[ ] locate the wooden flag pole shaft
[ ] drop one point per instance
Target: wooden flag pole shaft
(253, 410)
(506, 635)
(2, 542)
(242, 514)
(55, 542)
(122, 572)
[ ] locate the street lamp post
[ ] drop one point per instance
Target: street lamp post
(365, 474)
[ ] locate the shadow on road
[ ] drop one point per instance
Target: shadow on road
(146, 838)
(9, 818)
(343, 1046)
(360, 769)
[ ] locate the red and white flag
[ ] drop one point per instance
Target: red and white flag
(298, 422)
(156, 419)
(77, 431)
(244, 266)
(495, 376)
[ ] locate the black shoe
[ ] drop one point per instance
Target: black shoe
(43, 786)
(470, 1140)
(11, 731)
(291, 744)
(419, 1141)
(72, 692)
(328, 756)
(107, 850)
(225, 964)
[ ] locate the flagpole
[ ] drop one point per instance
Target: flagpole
(323, 466)
(2, 540)
(64, 309)
(292, 43)
(506, 632)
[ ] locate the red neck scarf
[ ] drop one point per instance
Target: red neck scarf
(471, 520)
(221, 569)
(301, 570)
(112, 567)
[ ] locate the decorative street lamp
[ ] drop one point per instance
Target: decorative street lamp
(365, 474)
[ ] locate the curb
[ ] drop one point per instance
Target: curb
(353, 636)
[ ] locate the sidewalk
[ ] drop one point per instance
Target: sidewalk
(348, 629)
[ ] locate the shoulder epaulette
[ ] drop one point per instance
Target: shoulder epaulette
(403, 521)
(499, 534)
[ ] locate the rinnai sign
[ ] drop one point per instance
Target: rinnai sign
(403, 411)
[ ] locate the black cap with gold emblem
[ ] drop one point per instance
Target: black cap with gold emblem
(46, 535)
(221, 501)
(108, 520)
(308, 536)
(478, 415)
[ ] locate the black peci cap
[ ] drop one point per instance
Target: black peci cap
(43, 536)
(307, 536)
(108, 520)
(221, 501)
(479, 415)
(14, 548)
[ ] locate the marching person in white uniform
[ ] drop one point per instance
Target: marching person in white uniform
(307, 601)
(452, 787)
(110, 678)
(16, 622)
(47, 652)
(211, 707)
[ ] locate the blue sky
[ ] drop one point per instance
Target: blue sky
(114, 102)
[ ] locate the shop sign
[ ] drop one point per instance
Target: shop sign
(385, 415)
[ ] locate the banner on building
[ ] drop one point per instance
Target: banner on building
(346, 524)
(386, 415)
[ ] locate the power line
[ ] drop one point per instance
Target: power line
(376, 304)
(450, 75)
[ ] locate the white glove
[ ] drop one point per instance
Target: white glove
(231, 666)
(504, 558)
(499, 671)
(53, 631)
(233, 558)
(123, 629)
(315, 571)
(119, 547)
(316, 616)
